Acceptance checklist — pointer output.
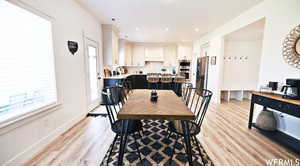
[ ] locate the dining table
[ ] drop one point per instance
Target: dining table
(167, 107)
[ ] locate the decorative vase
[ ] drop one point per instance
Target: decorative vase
(266, 120)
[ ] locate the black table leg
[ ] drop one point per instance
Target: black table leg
(251, 115)
(123, 142)
(187, 140)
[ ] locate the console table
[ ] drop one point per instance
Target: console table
(287, 106)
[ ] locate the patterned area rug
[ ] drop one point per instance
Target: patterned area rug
(156, 149)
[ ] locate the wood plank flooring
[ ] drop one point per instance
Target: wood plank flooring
(225, 137)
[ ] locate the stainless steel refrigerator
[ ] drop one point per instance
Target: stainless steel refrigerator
(202, 72)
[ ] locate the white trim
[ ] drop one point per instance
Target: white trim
(90, 42)
(26, 115)
(32, 9)
(36, 148)
(49, 107)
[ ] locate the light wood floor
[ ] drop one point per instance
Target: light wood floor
(225, 137)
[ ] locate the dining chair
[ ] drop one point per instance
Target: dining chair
(185, 91)
(134, 126)
(178, 80)
(122, 92)
(128, 83)
(198, 104)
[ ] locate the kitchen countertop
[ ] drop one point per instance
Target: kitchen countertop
(122, 76)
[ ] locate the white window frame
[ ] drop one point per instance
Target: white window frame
(49, 107)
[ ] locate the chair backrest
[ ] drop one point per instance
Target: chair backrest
(122, 92)
(185, 91)
(111, 98)
(198, 101)
(179, 79)
(166, 78)
(153, 79)
(153, 74)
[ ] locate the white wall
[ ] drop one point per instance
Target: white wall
(21, 140)
(244, 57)
(281, 16)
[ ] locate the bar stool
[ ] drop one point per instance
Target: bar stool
(166, 79)
(153, 78)
(178, 80)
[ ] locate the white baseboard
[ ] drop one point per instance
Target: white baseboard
(37, 147)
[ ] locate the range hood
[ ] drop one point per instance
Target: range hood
(154, 54)
(154, 60)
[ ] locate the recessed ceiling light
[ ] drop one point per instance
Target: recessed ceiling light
(197, 29)
(137, 28)
(167, 29)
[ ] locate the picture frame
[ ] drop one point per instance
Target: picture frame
(213, 60)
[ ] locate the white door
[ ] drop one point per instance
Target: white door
(93, 75)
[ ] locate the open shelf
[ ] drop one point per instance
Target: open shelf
(286, 141)
(240, 95)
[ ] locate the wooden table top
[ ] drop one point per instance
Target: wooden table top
(276, 97)
(168, 107)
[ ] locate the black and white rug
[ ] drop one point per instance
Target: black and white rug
(156, 149)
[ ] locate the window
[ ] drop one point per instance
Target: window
(27, 75)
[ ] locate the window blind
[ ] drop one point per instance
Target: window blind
(27, 74)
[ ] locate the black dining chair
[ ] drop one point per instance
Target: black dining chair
(185, 91)
(178, 81)
(198, 101)
(185, 94)
(122, 92)
(112, 96)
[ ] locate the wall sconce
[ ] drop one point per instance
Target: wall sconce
(73, 47)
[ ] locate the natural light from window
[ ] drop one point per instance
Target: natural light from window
(27, 77)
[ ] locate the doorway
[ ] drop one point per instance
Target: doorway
(241, 61)
(93, 74)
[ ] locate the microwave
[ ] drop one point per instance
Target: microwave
(184, 63)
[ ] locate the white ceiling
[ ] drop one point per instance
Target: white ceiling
(253, 31)
(152, 17)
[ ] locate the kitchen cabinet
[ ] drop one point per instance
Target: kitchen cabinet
(110, 45)
(139, 81)
(128, 53)
(184, 51)
(125, 53)
(154, 53)
(122, 53)
(170, 56)
(138, 55)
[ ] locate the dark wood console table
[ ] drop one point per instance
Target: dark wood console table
(287, 106)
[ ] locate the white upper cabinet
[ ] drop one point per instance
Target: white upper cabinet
(154, 53)
(128, 53)
(170, 56)
(184, 51)
(138, 55)
(125, 53)
(110, 45)
(115, 48)
(122, 52)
